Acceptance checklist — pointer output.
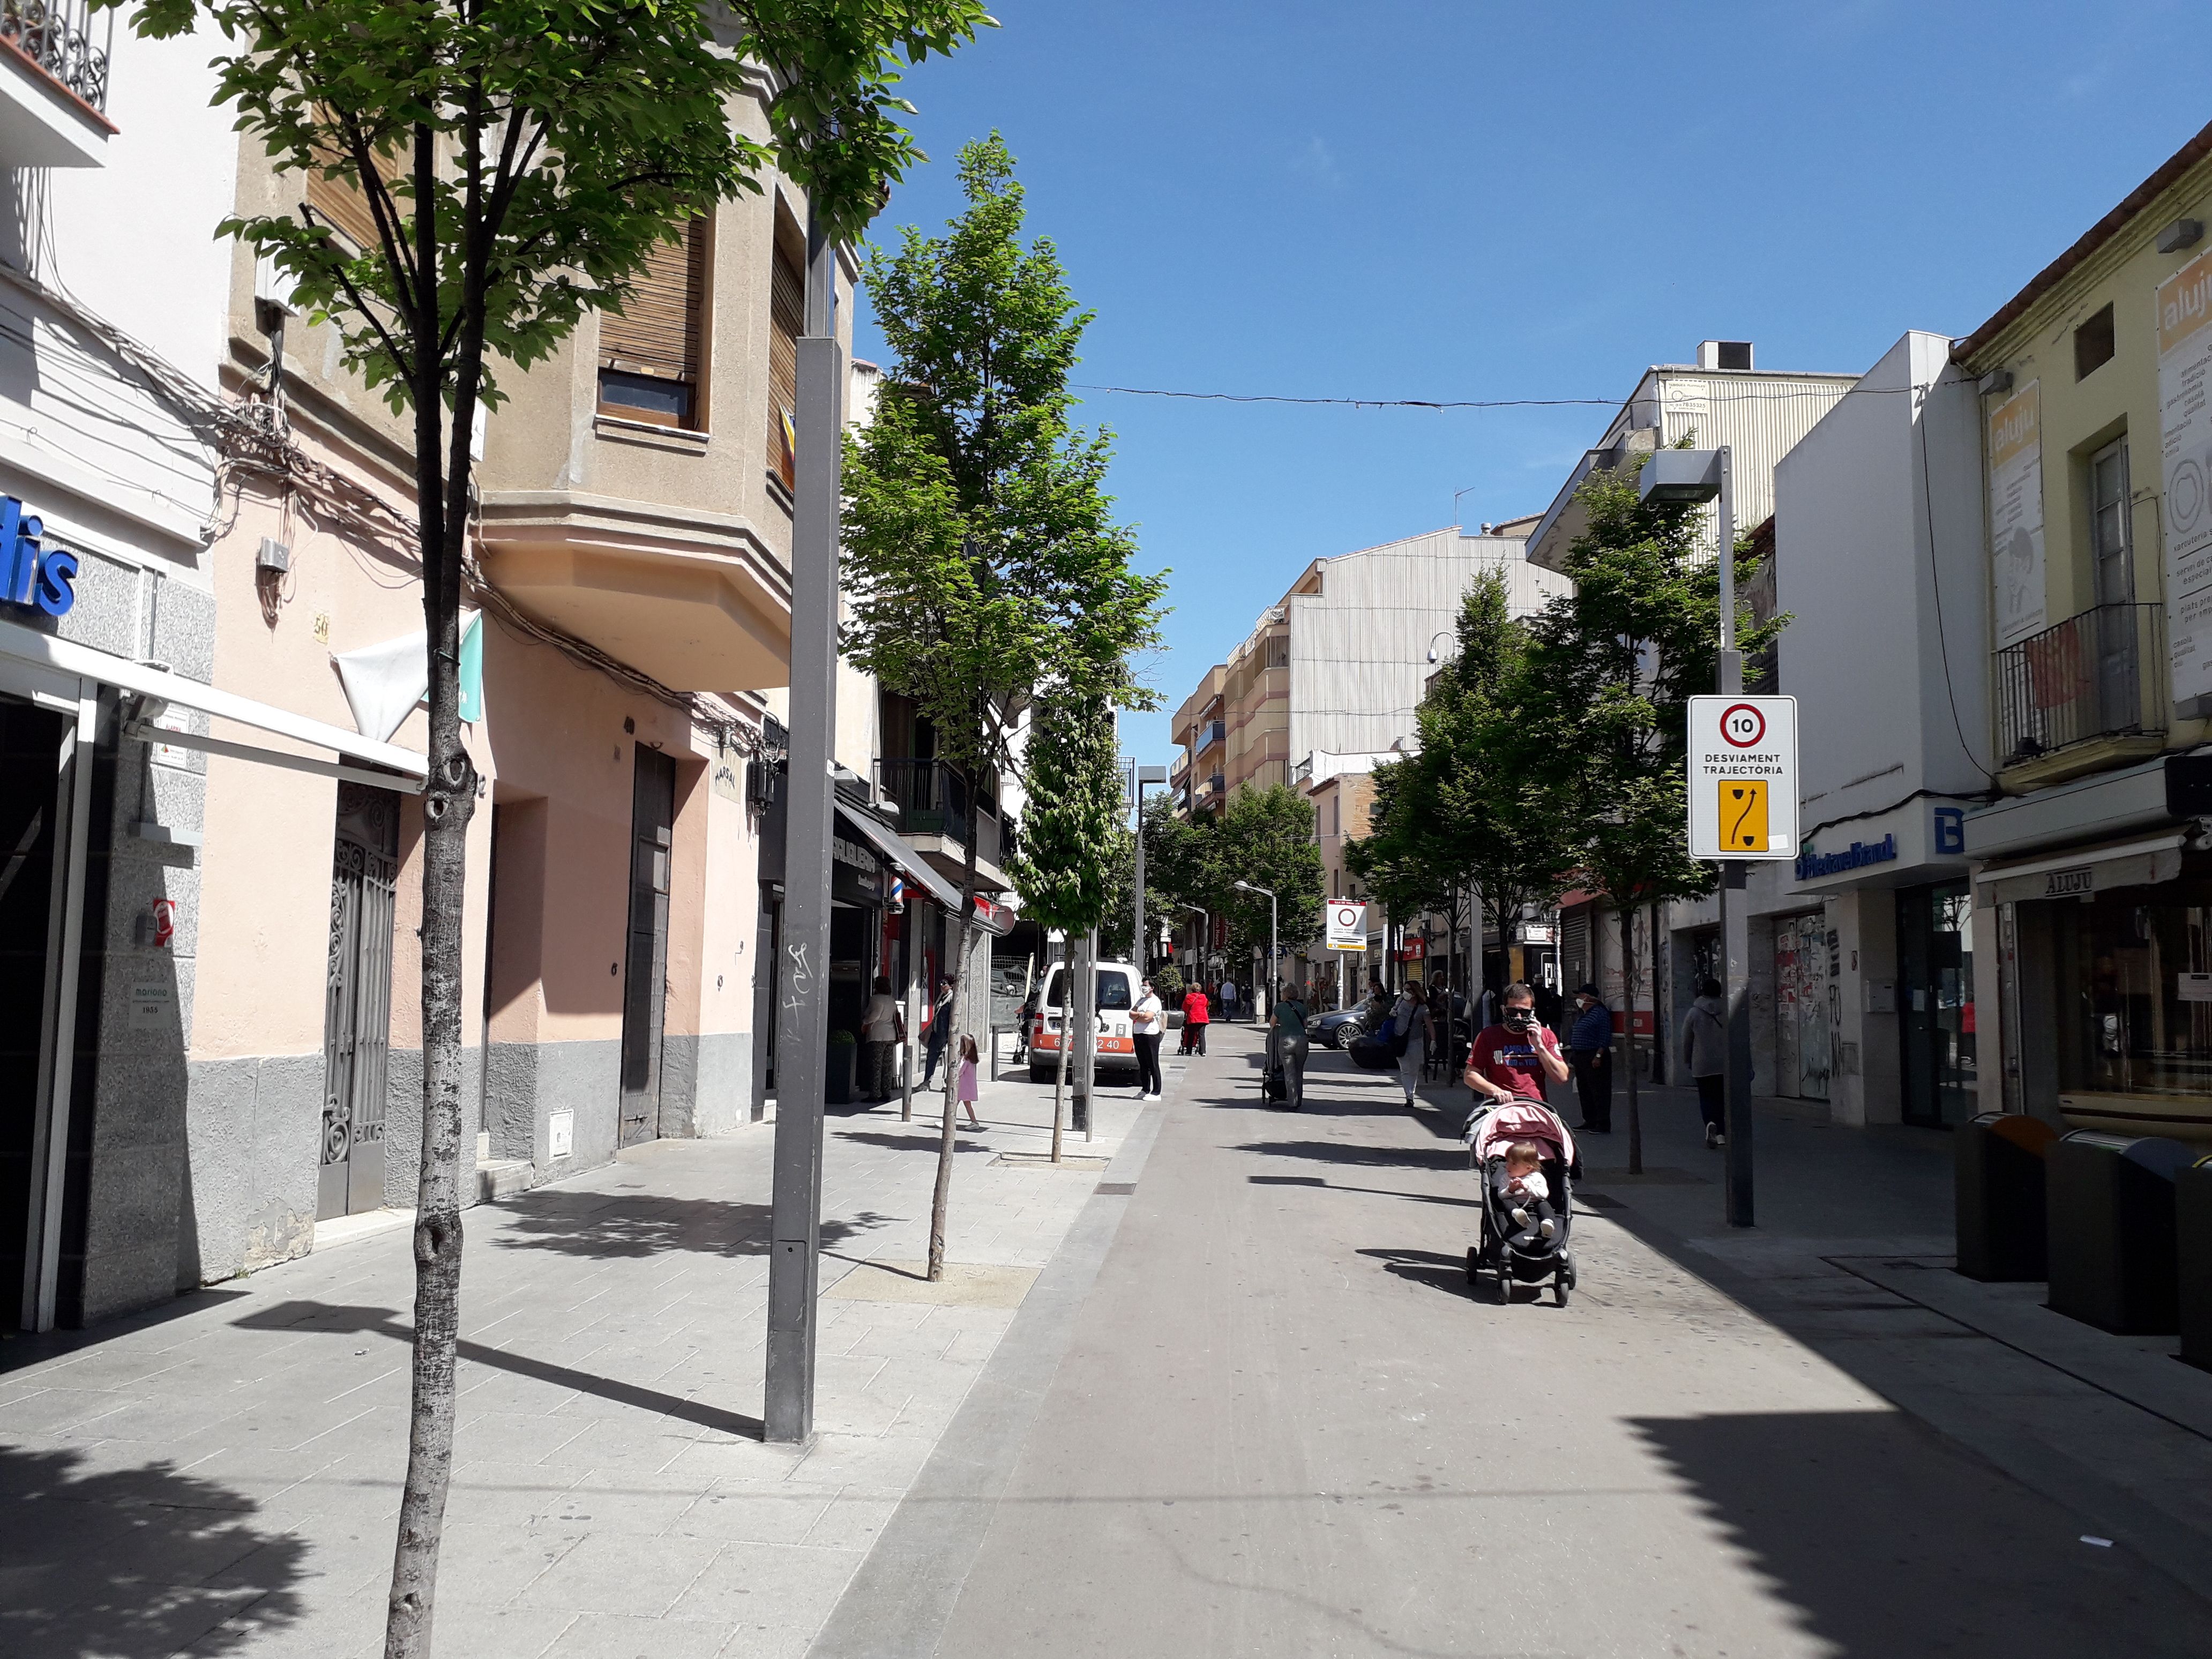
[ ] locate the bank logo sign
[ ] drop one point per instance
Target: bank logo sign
(32, 575)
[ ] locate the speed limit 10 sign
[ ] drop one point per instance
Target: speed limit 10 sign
(1743, 777)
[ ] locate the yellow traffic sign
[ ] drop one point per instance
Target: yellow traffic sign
(1743, 814)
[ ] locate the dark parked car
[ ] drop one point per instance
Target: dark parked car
(1338, 1027)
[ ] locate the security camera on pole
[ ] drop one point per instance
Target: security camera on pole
(1742, 776)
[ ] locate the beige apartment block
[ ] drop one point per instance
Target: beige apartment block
(2091, 891)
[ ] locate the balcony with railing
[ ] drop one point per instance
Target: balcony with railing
(2082, 694)
(1209, 734)
(937, 815)
(53, 92)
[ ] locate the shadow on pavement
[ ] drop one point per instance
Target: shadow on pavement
(134, 1563)
(1372, 1192)
(1373, 1157)
(20, 1348)
(383, 1321)
(1447, 1274)
(601, 1224)
(1887, 1545)
(927, 1139)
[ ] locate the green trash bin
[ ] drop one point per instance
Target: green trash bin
(1999, 1199)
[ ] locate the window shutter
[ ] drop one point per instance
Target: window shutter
(658, 330)
(341, 202)
(787, 321)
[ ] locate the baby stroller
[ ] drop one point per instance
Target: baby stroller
(1490, 1131)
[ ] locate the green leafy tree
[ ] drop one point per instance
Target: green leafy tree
(1470, 808)
(519, 159)
(1264, 836)
(1617, 662)
(1073, 856)
(982, 556)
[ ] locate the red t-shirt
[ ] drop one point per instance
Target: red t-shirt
(1194, 1009)
(1508, 1060)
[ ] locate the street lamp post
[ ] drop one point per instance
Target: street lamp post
(1253, 887)
(1702, 474)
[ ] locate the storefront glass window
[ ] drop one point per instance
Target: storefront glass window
(1935, 1003)
(2136, 1009)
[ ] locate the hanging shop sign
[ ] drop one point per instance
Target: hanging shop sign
(1413, 949)
(2183, 302)
(34, 576)
(2015, 444)
(1347, 925)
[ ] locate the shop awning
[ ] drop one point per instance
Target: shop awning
(393, 767)
(909, 862)
(2080, 871)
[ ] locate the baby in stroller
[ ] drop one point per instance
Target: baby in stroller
(1518, 1178)
(1527, 1159)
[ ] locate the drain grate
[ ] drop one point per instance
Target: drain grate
(1115, 1189)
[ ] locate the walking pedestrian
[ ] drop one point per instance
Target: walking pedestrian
(1197, 1012)
(940, 1026)
(1229, 1000)
(1704, 1052)
(1288, 1026)
(1145, 1033)
(882, 1028)
(1589, 1052)
(1511, 1058)
(1411, 1032)
(969, 1086)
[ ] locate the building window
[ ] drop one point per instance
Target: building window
(786, 317)
(2092, 344)
(653, 352)
(2108, 525)
(342, 204)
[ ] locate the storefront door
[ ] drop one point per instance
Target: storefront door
(30, 748)
(645, 975)
(1935, 1004)
(357, 1009)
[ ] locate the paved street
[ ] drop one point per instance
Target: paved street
(1282, 1425)
(1222, 1391)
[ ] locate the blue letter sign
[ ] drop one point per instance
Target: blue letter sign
(31, 575)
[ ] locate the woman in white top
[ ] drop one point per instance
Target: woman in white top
(1144, 1024)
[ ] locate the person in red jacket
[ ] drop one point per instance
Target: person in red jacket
(1196, 1016)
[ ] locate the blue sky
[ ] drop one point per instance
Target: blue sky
(1449, 199)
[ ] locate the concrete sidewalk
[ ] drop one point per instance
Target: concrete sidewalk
(222, 1479)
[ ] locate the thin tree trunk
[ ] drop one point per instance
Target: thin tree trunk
(1659, 1065)
(1066, 1042)
(1628, 1036)
(941, 1197)
(448, 804)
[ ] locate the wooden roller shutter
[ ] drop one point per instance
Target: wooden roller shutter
(341, 202)
(787, 322)
(658, 330)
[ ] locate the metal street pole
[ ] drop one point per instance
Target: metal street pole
(1735, 919)
(1145, 775)
(803, 1012)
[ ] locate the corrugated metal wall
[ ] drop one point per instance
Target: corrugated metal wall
(1761, 418)
(1359, 649)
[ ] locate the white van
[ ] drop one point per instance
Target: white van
(1117, 1048)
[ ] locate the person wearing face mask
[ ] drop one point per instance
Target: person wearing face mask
(1589, 1052)
(1512, 1059)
